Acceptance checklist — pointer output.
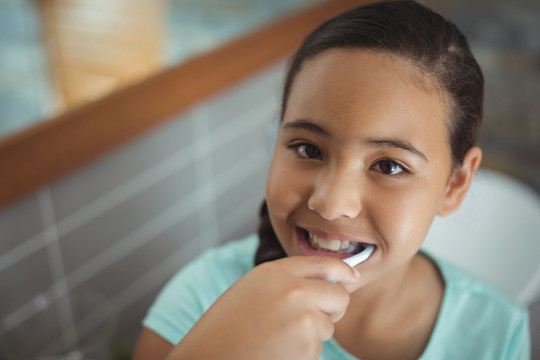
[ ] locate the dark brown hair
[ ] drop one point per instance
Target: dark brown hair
(416, 34)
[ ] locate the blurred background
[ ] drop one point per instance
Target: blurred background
(82, 258)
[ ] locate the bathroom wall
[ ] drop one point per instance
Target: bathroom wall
(504, 39)
(85, 255)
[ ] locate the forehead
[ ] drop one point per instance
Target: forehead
(350, 88)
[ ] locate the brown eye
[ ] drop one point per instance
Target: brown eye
(388, 167)
(308, 151)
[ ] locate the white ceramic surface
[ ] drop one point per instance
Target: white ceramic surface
(495, 235)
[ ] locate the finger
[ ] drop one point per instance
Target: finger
(320, 267)
(331, 299)
(325, 328)
(314, 325)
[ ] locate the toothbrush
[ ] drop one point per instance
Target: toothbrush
(360, 257)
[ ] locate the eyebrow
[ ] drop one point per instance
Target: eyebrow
(307, 125)
(376, 143)
(396, 143)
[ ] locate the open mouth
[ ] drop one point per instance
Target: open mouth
(333, 246)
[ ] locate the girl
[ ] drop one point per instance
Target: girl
(380, 113)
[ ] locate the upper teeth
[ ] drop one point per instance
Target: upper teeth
(331, 245)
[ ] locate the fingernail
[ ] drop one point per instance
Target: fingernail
(356, 273)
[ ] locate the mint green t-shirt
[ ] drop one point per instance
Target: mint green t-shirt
(475, 321)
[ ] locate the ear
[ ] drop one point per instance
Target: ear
(460, 182)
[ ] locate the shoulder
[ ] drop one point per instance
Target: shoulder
(475, 318)
(195, 287)
(236, 255)
(219, 266)
(461, 284)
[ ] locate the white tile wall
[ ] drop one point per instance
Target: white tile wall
(118, 228)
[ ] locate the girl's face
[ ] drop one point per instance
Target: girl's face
(362, 157)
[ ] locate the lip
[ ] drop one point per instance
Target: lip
(306, 250)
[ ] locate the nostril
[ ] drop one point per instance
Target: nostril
(335, 199)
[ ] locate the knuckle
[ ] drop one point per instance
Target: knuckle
(343, 295)
(307, 321)
(294, 293)
(269, 267)
(321, 262)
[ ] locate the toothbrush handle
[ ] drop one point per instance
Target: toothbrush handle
(360, 257)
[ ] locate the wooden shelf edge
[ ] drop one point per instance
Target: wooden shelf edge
(54, 147)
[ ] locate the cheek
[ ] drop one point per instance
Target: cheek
(283, 198)
(403, 216)
(283, 190)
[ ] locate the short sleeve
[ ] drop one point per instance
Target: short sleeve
(189, 293)
(476, 321)
(181, 302)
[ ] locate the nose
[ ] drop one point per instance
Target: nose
(337, 195)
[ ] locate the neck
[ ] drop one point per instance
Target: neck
(382, 297)
(394, 316)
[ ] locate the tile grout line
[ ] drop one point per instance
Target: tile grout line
(133, 291)
(22, 251)
(247, 167)
(140, 236)
(56, 265)
(141, 286)
(160, 223)
(146, 283)
(125, 191)
(128, 189)
(24, 312)
(105, 202)
(29, 309)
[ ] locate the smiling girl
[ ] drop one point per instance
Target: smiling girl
(380, 113)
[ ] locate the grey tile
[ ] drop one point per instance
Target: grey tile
(127, 340)
(92, 343)
(99, 177)
(97, 344)
(235, 101)
(126, 322)
(19, 222)
(121, 274)
(130, 319)
(245, 229)
(251, 187)
(31, 337)
(96, 236)
(240, 217)
(23, 281)
(241, 221)
(230, 153)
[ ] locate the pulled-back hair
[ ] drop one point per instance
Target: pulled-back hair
(416, 34)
